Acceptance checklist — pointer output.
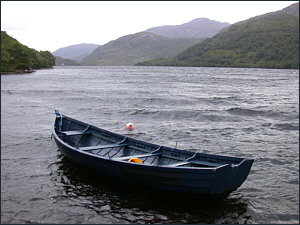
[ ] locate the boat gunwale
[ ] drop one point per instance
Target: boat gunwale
(213, 168)
(132, 163)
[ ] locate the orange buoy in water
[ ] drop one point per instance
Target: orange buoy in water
(136, 160)
(129, 126)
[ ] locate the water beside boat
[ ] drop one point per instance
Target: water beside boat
(251, 113)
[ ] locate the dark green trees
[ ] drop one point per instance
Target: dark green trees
(18, 57)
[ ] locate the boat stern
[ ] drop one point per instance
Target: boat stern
(229, 177)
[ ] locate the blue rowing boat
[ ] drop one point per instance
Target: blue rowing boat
(148, 164)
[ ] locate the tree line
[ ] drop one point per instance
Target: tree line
(18, 57)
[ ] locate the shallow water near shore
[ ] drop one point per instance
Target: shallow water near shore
(251, 113)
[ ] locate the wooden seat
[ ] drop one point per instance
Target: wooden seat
(136, 156)
(178, 164)
(75, 132)
(89, 148)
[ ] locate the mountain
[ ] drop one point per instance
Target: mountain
(164, 41)
(75, 52)
(16, 57)
(197, 28)
(131, 49)
(267, 41)
(292, 10)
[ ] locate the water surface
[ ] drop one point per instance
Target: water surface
(252, 113)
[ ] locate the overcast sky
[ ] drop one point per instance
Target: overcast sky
(50, 25)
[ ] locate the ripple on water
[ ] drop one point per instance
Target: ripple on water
(233, 111)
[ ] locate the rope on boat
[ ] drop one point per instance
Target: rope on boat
(59, 114)
(52, 139)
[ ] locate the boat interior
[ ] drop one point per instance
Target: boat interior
(106, 144)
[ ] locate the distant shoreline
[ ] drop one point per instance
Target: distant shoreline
(18, 72)
(23, 71)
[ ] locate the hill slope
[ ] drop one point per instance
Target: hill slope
(59, 61)
(131, 49)
(292, 10)
(197, 28)
(18, 57)
(75, 52)
(268, 41)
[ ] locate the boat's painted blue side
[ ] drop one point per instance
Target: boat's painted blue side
(214, 180)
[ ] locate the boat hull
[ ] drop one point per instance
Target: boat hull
(211, 181)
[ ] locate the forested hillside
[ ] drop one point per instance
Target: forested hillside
(18, 57)
(270, 41)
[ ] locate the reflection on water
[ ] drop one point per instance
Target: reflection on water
(135, 204)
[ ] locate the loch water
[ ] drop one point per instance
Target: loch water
(251, 113)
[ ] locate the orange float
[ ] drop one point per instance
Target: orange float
(129, 126)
